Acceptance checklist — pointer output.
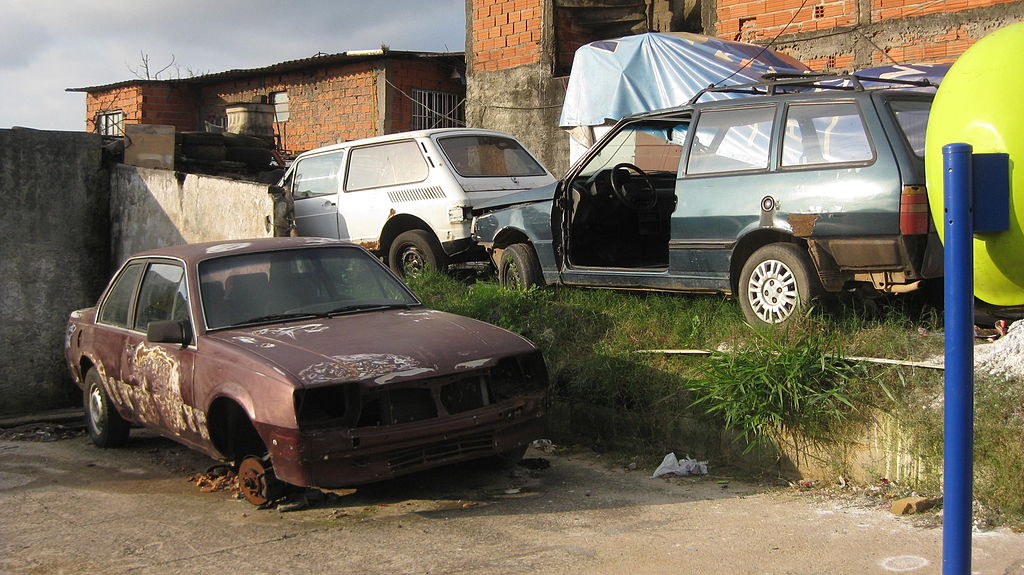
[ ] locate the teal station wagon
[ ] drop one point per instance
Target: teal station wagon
(801, 187)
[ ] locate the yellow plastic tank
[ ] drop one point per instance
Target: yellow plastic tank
(981, 102)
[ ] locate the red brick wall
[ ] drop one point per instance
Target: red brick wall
(761, 20)
(506, 33)
(145, 103)
(407, 75)
(570, 37)
(127, 99)
(325, 105)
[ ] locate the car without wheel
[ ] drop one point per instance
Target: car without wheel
(302, 361)
(794, 189)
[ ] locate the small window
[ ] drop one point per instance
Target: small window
(912, 116)
(117, 304)
(436, 110)
(162, 296)
(316, 175)
(731, 141)
(110, 123)
(824, 134)
(385, 165)
(280, 102)
(489, 156)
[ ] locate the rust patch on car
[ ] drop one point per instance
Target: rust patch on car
(802, 224)
(356, 366)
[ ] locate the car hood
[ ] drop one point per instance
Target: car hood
(378, 347)
(542, 194)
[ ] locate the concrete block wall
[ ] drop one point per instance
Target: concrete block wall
(151, 208)
(54, 258)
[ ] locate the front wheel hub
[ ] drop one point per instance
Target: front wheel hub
(257, 482)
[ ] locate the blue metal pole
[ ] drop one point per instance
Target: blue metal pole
(958, 457)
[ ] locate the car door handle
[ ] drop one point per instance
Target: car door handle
(329, 204)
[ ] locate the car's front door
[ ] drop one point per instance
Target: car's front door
(313, 182)
(158, 376)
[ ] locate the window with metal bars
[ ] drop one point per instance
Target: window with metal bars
(436, 110)
(110, 123)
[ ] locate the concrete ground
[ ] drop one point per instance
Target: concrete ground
(68, 507)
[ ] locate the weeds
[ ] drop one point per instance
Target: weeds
(783, 381)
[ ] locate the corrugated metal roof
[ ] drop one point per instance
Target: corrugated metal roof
(289, 66)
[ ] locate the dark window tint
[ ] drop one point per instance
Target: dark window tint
(114, 310)
(912, 116)
(824, 134)
(162, 296)
(489, 156)
(731, 141)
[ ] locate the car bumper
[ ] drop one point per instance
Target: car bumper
(347, 457)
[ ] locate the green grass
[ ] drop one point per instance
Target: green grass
(765, 384)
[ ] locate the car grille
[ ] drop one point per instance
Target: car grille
(479, 443)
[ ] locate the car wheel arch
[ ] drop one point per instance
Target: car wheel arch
(750, 243)
(396, 226)
(506, 237)
(229, 422)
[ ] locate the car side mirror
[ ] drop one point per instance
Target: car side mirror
(179, 332)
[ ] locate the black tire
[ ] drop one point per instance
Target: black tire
(519, 268)
(106, 427)
(199, 138)
(776, 281)
(203, 152)
(259, 158)
(414, 251)
(233, 140)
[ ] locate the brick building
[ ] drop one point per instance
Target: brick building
(519, 52)
(316, 101)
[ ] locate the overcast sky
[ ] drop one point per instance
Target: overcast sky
(49, 45)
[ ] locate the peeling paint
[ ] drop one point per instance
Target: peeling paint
(253, 341)
(399, 374)
(221, 248)
(357, 366)
(70, 333)
(290, 331)
(802, 224)
(472, 364)
(156, 398)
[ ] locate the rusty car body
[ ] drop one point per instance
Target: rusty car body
(302, 360)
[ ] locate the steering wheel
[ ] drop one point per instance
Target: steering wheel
(633, 187)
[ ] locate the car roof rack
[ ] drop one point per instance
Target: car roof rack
(785, 82)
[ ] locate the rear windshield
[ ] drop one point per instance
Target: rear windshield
(912, 116)
(489, 156)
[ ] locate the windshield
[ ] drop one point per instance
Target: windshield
(489, 156)
(912, 116)
(653, 146)
(263, 287)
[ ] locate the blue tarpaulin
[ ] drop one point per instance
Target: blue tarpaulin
(611, 79)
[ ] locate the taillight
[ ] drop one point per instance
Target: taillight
(914, 210)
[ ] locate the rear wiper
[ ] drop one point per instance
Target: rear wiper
(366, 307)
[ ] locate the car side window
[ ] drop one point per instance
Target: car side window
(115, 307)
(316, 175)
(731, 140)
(831, 133)
(162, 296)
(388, 164)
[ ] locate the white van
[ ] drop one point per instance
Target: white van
(408, 196)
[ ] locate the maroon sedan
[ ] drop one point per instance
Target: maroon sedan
(300, 360)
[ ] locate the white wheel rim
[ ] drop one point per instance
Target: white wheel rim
(772, 291)
(97, 410)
